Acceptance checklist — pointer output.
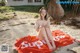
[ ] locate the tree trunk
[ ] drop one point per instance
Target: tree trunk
(55, 10)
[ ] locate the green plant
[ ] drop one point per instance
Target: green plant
(36, 16)
(2, 3)
(5, 17)
(5, 9)
(46, 2)
(27, 8)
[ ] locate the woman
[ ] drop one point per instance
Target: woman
(43, 27)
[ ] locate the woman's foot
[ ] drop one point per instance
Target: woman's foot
(51, 48)
(54, 47)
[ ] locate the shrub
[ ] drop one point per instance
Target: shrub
(5, 9)
(2, 3)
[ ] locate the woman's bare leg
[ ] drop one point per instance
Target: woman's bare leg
(40, 36)
(47, 41)
(51, 39)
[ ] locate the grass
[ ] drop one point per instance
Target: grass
(5, 9)
(20, 8)
(25, 9)
(6, 17)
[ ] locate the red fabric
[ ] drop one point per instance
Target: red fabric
(61, 38)
(31, 44)
(27, 38)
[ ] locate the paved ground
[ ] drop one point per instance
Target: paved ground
(21, 26)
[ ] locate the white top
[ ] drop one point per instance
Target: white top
(43, 31)
(41, 23)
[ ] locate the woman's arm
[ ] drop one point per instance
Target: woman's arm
(49, 23)
(37, 26)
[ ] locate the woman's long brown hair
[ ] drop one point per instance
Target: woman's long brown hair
(43, 8)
